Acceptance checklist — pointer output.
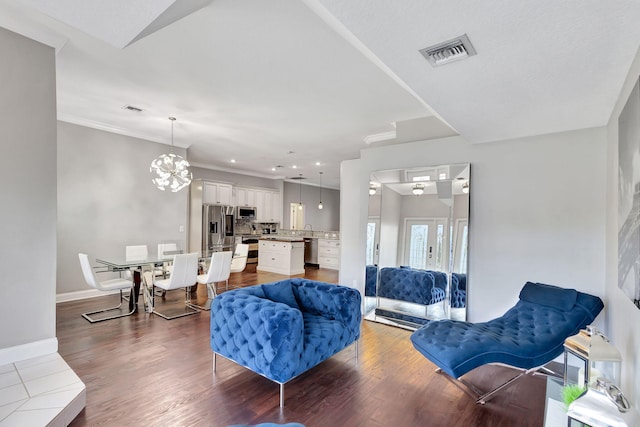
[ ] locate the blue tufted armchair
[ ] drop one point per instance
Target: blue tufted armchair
(282, 329)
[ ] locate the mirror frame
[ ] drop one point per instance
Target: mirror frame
(448, 183)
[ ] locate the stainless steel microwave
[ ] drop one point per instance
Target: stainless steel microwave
(246, 212)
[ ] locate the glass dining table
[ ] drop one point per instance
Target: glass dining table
(150, 262)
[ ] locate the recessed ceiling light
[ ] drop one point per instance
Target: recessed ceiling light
(233, 160)
(317, 163)
(273, 169)
(294, 167)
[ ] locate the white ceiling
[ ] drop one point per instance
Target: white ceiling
(254, 80)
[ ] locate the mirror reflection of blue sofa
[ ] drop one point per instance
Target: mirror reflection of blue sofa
(280, 330)
(458, 290)
(371, 278)
(412, 285)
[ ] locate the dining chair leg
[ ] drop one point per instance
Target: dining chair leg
(87, 315)
(211, 294)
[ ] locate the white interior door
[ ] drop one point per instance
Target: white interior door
(460, 243)
(373, 240)
(297, 216)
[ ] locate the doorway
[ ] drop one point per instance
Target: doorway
(425, 243)
(296, 217)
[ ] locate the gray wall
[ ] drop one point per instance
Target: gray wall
(537, 212)
(28, 176)
(327, 219)
(106, 200)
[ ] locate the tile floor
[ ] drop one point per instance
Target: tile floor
(43, 391)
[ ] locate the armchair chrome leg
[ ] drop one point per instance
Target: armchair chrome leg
(214, 362)
(357, 350)
(282, 395)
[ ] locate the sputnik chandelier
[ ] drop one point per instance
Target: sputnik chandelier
(170, 170)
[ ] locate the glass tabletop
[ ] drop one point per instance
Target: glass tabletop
(121, 262)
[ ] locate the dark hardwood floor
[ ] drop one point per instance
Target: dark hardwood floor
(144, 370)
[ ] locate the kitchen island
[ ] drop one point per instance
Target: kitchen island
(281, 255)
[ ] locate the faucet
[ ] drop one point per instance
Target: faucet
(310, 227)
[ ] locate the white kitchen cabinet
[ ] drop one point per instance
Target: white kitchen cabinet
(215, 193)
(281, 257)
(271, 207)
(267, 203)
(246, 197)
(329, 253)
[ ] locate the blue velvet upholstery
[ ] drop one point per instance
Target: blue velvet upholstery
(412, 285)
(529, 335)
(458, 290)
(371, 278)
(276, 340)
(280, 292)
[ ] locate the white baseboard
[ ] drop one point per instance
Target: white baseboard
(28, 351)
(77, 295)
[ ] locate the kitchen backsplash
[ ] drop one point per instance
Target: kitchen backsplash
(247, 226)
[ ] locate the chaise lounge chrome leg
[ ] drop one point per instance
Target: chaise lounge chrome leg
(214, 361)
(487, 396)
(88, 314)
(482, 398)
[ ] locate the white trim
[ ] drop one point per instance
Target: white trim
(28, 351)
(378, 137)
(77, 295)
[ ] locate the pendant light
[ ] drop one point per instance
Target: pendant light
(300, 204)
(418, 189)
(170, 170)
(320, 204)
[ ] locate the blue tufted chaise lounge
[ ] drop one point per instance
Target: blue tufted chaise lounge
(527, 336)
(282, 329)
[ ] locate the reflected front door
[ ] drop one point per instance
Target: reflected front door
(424, 243)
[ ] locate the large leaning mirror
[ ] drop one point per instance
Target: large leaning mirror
(417, 238)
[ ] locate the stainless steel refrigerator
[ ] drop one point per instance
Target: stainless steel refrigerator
(218, 223)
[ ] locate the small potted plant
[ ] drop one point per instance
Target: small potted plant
(572, 392)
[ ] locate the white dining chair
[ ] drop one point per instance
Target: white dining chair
(166, 268)
(104, 286)
(184, 275)
(136, 252)
(239, 261)
(219, 271)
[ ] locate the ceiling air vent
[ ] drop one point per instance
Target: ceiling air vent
(132, 108)
(449, 51)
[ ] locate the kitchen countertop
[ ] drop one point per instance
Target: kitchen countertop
(282, 238)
